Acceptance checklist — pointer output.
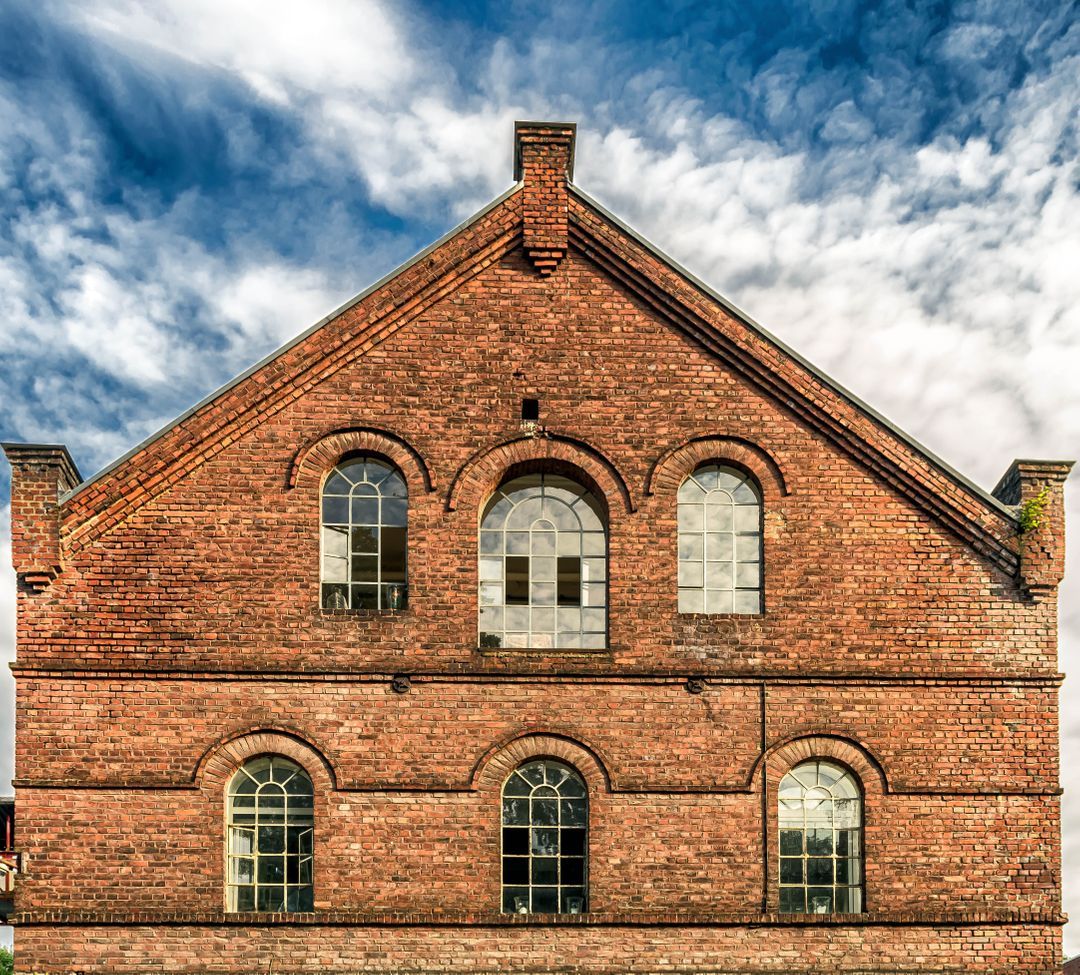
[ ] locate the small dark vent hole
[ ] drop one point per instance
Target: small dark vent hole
(530, 409)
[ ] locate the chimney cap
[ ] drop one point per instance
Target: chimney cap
(540, 132)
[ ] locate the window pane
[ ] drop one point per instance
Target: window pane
(517, 580)
(545, 870)
(545, 900)
(515, 870)
(393, 554)
(791, 870)
(569, 589)
(515, 842)
(791, 842)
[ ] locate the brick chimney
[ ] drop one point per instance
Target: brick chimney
(544, 160)
(40, 473)
(1036, 488)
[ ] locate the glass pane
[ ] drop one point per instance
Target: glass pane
(747, 601)
(515, 870)
(691, 547)
(819, 900)
(491, 594)
(569, 585)
(718, 601)
(748, 575)
(395, 511)
(718, 575)
(491, 570)
(365, 511)
(593, 544)
(517, 543)
(819, 870)
(271, 899)
(545, 812)
(365, 597)
(568, 544)
(691, 574)
(336, 484)
(718, 515)
(271, 839)
(573, 900)
(747, 518)
(245, 898)
(691, 491)
(393, 554)
(573, 870)
(720, 546)
(791, 870)
(543, 569)
(241, 840)
(491, 542)
(545, 900)
(515, 900)
(515, 842)
(533, 773)
(819, 842)
(792, 900)
(515, 812)
(365, 568)
(271, 870)
(545, 870)
(691, 601)
(691, 517)
(243, 870)
(336, 511)
(545, 842)
(748, 548)
(791, 842)
(573, 812)
(365, 540)
(517, 580)
(573, 842)
(543, 543)
(849, 900)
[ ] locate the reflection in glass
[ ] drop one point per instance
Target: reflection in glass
(544, 815)
(820, 841)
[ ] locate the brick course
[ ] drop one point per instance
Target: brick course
(169, 625)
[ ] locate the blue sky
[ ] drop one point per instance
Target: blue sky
(892, 188)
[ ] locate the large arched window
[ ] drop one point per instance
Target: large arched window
(543, 566)
(719, 542)
(364, 523)
(820, 826)
(545, 826)
(270, 830)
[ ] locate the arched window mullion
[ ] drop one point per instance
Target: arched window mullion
(544, 840)
(364, 536)
(820, 840)
(270, 838)
(720, 542)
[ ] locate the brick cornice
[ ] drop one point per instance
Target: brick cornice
(988, 530)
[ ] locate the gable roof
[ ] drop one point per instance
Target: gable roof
(110, 496)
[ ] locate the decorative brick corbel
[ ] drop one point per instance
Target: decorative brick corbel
(40, 473)
(544, 161)
(1036, 489)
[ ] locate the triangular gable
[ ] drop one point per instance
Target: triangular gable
(107, 499)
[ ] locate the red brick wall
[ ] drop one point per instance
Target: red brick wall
(886, 636)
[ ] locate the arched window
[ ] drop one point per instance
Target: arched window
(545, 826)
(365, 509)
(719, 542)
(820, 827)
(271, 820)
(543, 566)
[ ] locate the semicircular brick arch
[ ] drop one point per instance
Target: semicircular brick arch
(227, 754)
(673, 466)
(318, 456)
(501, 759)
(484, 471)
(784, 756)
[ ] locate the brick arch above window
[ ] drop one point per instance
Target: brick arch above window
(492, 768)
(228, 753)
(486, 469)
(674, 465)
(783, 756)
(318, 456)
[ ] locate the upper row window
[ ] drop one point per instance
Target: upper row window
(542, 551)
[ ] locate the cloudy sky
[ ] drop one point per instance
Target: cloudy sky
(892, 188)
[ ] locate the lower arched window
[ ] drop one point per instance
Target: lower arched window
(271, 821)
(820, 825)
(545, 824)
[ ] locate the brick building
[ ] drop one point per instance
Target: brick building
(536, 611)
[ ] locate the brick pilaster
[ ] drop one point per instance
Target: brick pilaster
(1037, 489)
(40, 473)
(544, 160)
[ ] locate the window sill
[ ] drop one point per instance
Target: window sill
(544, 651)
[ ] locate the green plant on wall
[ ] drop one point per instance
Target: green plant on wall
(7, 961)
(1032, 510)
